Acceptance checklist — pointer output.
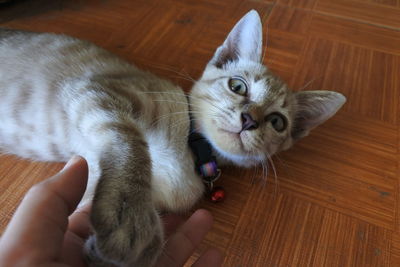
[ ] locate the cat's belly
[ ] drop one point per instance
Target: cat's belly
(175, 186)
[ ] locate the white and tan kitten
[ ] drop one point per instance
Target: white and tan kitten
(61, 96)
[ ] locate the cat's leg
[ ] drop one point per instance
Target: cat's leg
(127, 229)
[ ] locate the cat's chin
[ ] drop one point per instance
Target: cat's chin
(238, 146)
(230, 149)
(225, 158)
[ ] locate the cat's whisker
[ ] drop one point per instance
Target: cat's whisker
(260, 173)
(213, 108)
(275, 174)
(188, 96)
(219, 99)
(255, 174)
(165, 116)
(183, 78)
(172, 93)
(164, 92)
(183, 120)
(178, 102)
(213, 105)
(184, 72)
(213, 97)
(170, 115)
(266, 42)
(177, 123)
(169, 68)
(264, 173)
(177, 113)
(286, 166)
(308, 83)
(170, 101)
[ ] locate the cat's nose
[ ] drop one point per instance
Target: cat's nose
(248, 123)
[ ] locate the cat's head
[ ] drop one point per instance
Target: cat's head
(245, 111)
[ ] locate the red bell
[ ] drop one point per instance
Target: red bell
(217, 194)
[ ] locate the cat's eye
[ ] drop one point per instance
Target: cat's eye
(238, 86)
(277, 120)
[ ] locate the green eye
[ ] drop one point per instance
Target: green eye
(238, 86)
(277, 120)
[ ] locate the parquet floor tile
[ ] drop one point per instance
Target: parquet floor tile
(363, 11)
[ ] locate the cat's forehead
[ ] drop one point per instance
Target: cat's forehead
(244, 68)
(267, 88)
(264, 85)
(249, 69)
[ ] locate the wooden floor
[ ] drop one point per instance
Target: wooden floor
(335, 201)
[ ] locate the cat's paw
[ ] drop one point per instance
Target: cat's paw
(136, 240)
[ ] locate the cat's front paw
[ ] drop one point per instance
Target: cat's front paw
(136, 240)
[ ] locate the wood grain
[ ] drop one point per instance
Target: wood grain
(335, 200)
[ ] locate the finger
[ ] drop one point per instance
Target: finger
(171, 222)
(79, 221)
(181, 245)
(72, 252)
(71, 184)
(74, 238)
(211, 258)
(38, 226)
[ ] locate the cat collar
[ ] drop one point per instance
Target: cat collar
(206, 164)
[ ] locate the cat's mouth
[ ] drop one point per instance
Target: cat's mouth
(233, 135)
(230, 133)
(240, 140)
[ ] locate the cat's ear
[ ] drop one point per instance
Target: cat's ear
(244, 41)
(313, 108)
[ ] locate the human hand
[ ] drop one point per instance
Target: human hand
(41, 233)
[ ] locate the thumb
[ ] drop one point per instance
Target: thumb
(37, 229)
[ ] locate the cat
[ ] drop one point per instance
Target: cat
(61, 96)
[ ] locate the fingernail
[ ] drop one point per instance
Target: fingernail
(71, 162)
